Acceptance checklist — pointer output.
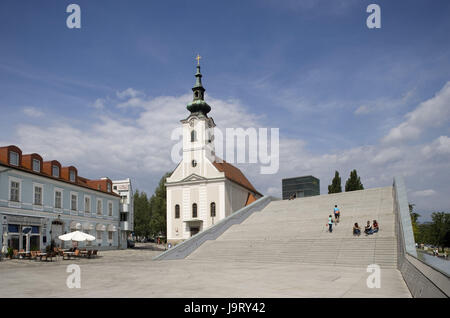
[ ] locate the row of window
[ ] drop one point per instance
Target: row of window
(212, 209)
(38, 194)
(100, 238)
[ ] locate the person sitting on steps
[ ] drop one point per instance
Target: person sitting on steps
(356, 229)
(368, 229)
(375, 226)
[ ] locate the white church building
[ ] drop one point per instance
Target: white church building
(202, 189)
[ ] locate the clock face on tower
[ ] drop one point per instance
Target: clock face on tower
(191, 123)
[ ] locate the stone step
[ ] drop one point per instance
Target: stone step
(295, 232)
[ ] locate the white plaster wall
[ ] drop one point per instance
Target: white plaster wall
(236, 197)
(202, 193)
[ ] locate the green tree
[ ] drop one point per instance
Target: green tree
(440, 229)
(353, 183)
(335, 186)
(414, 217)
(142, 214)
(424, 233)
(150, 214)
(158, 207)
(436, 232)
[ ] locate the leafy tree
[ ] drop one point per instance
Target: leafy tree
(142, 214)
(440, 229)
(414, 217)
(335, 186)
(150, 214)
(424, 233)
(436, 232)
(353, 183)
(158, 206)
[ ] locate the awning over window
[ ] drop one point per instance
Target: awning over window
(100, 227)
(74, 225)
(111, 228)
(193, 221)
(88, 226)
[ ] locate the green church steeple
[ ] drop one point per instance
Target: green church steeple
(198, 105)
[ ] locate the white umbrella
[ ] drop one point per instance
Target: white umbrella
(76, 236)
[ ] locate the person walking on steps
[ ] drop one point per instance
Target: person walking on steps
(337, 213)
(330, 223)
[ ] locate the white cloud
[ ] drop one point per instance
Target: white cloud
(388, 155)
(99, 103)
(363, 109)
(140, 148)
(424, 193)
(129, 93)
(127, 147)
(383, 104)
(438, 147)
(33, 112)
(273, 191)
(433, 112)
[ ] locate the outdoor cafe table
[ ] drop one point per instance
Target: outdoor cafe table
(69, 254)
(23, 254)
(40, 255)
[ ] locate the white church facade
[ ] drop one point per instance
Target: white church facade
(203, 189)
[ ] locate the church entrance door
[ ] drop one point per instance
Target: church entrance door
(194, 230)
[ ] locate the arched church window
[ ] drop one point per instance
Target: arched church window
(177, 211)
(193, 136)
(194, 210)
(213, 209)
(194, 163)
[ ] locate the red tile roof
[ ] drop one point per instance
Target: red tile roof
(234, 174)
(25, 164)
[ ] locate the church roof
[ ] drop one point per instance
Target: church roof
(234, 174)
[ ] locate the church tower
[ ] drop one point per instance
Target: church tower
(198, 131)
(201, 190)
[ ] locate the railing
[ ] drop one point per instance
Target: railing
(422, 280)
(185, 248)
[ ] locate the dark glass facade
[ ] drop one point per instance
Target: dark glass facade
(306, 186)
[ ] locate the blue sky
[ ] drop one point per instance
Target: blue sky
(106, 97)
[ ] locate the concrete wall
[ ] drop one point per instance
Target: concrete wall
(187, 247)
(422, 280)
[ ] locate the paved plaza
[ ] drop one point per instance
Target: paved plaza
(132, 273)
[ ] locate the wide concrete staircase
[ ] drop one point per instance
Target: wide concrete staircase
(295, 232)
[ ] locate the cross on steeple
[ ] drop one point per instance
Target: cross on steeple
(198, 105)
(198, 59)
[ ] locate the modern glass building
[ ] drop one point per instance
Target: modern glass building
(53, 200)
(306, 186)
